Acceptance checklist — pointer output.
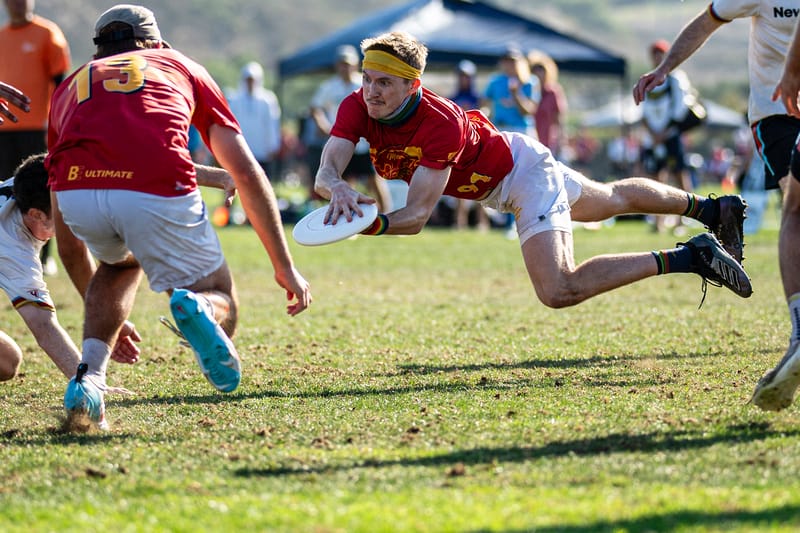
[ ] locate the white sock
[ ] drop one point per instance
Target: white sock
(96, 354)
(794, 314)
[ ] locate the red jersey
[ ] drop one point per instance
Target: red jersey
(122, 122)
(438, 134)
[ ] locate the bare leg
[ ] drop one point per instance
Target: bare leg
(789, 240)
(219, 289)
(559, 283)
(109, 299)
(600, 201)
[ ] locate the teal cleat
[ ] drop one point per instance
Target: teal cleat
(214, 351)
(83, 399)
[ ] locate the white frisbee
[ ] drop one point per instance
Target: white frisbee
(312, 231)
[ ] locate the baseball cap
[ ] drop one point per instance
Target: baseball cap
(467, 67)
(512, 52)
(346, 54)
(139, 18)
(659, 46)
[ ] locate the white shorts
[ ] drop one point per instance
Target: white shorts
(539, 190)
(170, 236)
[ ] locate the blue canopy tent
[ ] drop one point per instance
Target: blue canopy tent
(454, 30)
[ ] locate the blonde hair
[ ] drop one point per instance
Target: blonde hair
(538, 58)
(401, 45)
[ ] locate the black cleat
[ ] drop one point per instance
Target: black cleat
(716, 266)
(729, 228)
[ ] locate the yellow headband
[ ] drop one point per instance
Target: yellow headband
(386, 62)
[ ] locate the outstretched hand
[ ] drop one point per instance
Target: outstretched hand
(296, 288)
(125, 349)
(787, 91)
(12, 95)
(344, 202)
(647, 83)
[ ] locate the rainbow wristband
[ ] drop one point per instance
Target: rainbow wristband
(378, 227)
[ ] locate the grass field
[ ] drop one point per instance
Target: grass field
(426, 389)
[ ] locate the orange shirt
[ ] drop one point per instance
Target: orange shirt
(31, 56)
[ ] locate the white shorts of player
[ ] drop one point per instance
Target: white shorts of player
(171, 237)
(538, 190)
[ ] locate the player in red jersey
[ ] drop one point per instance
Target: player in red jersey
(437, 148)
(125, 185)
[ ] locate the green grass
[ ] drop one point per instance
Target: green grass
(426, 389)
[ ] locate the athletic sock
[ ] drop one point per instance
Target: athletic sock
(96, 354)
(674, 260)
(794, 313)
(703, 209)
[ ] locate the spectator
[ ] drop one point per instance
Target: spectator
(663, 155)
(258, 112)
(512, 95)
(553, 104)
(35, 59)
(467, 97)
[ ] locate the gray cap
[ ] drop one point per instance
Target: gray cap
(347, 54)
(139, 18)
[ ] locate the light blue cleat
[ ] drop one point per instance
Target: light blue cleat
(83, 399)
(214, 351)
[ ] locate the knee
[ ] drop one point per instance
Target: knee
(10, 360)
(559, 295)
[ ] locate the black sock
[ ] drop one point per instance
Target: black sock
(703, 209)
(675, 260)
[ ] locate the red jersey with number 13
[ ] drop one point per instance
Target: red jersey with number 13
(438, 134)
(122, 122)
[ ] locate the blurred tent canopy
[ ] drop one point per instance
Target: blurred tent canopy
(454, 30)
(623, 111)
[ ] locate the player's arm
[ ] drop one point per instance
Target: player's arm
(261, 207)
(424, 193)
(218, 178)
(344, 199)
(51, 337)
(788, 88)
(691, 37)
(11, 95)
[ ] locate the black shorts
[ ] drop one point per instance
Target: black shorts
(15, 146)
(360, 166)
(776, 143)
(674, 159)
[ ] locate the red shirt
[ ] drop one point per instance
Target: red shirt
(438, 134)
(122, 122)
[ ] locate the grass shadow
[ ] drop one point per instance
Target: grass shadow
(678, 521)
(576, 362)
(602, 445)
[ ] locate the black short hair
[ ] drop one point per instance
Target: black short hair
(30, 185)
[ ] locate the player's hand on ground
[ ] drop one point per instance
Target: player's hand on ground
(647, 83)
(12, 95)
(298, 291)
(125, 350)
(344, 201)
(787, 91)
(122, 391)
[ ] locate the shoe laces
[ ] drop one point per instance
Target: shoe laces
(174, 329)
(705, 281)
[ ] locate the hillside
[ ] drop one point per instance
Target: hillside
(223, 34)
